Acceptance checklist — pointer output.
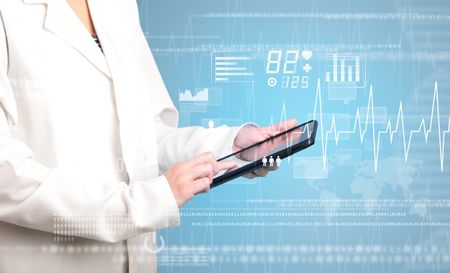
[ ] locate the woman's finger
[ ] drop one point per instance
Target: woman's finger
(200, 159)
(281, 127)
(200, 185)
(250, 175)
(224, 165)
(261, 172)
(200, 171)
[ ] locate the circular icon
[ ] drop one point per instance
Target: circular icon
(149, 248)
(272, 82)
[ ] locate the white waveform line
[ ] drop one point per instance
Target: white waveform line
(376, 137)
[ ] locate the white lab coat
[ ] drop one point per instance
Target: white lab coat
(84, 134)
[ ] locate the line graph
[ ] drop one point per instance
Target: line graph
(364, 127)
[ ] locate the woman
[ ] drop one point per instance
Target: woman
(85, 134)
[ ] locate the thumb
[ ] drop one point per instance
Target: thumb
(282, 126)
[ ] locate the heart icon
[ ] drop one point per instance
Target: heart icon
(307, 54)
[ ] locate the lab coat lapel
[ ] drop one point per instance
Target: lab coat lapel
(126, 88)
(62, 21)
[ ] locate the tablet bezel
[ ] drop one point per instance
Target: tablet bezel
(288, 151)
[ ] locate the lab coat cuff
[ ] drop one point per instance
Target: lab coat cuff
(172, 218)
(154, 204)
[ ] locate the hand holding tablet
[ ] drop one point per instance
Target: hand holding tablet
(269, 146)
(252, 134)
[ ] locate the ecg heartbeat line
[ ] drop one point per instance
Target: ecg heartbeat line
(365, 124)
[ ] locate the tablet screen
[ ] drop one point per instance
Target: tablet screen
(280, 145)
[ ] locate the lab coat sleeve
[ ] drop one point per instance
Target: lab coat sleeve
(181, 144)
(177, 144)
(33, 195)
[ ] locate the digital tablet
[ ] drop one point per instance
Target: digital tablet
(268, 152)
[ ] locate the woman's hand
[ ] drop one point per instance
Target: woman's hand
(250, 134)
(194, 176)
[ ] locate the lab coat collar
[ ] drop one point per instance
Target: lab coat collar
(63, 22)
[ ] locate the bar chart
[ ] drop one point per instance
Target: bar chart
(345, 68)
(344, 74)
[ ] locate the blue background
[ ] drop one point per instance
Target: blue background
(394, 219)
